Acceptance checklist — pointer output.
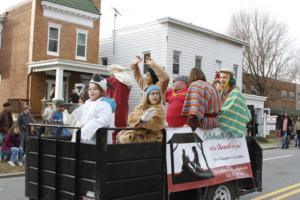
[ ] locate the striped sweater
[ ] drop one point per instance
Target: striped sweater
(235, 114)
(204, 102)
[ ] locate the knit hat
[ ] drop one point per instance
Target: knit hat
(99, 80)
(151, 88)
(181, 78)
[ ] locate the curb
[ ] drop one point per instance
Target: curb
(12, 175)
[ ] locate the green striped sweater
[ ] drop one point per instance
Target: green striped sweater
(235, 114)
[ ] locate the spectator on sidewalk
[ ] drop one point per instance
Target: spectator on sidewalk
(23, 120)
(6, 120)
(74, 97)
(285, 127)
(47, 113)
(57, 119)
(297, 132)
(12, 146)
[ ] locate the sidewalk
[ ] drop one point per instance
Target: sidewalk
(266, 146)
(9, 171)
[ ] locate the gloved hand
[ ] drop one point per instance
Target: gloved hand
(149, 113)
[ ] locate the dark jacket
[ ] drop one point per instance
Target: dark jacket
(6, 121)
(23, 120)
(11, 140)
(289, 125)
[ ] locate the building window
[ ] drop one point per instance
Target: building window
(81, 44)
(176, 58)
(235, 71)
(253, 89)
(53, 39)
(284, 94)
(218, 65)
(198, 60)
(146, 66)
(292, 96)
(104, 61)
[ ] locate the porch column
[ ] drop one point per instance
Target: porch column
(59, 83)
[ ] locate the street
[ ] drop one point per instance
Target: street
(281, 178)
(280, 175)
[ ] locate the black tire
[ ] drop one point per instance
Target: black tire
(221, 192)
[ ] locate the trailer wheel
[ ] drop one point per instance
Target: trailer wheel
(221, 192)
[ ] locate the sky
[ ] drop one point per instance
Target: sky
(210, 14)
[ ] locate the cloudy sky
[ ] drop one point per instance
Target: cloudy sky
(212, 14)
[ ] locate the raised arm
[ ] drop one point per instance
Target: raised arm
(137, 73)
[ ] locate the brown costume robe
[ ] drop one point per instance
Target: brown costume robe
(152, 131)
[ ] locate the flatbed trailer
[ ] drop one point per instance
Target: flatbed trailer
(57, 168)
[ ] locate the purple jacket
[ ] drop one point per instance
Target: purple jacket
(11, 140)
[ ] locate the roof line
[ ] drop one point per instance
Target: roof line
(201, 29)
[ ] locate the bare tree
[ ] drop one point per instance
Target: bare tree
(291, 73)
(268, 50)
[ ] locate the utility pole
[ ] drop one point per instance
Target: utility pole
(114, 30)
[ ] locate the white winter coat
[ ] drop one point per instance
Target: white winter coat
(91, 116)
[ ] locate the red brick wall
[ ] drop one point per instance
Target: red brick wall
(275, 100)
(14, 54)
(37, 92)
(67, 38)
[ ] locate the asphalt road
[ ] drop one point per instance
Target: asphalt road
(281, 178)
(12, 188)
(281, 175)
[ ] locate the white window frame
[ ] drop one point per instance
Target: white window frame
(145, 65)
(58, 26)
(235, 71)
(198, 58)
(81, 31)
(176, 53)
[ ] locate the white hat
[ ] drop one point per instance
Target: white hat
(119, 72)
(99, 80)
(225, 69)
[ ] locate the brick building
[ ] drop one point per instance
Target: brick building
(45, 44)
(281, 95)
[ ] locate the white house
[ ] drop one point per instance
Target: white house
(177, 46)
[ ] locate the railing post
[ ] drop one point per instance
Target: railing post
(77, 164)
(101, 153)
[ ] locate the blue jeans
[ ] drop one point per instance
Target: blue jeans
(16, 154)
(285, 143)
(298, 139)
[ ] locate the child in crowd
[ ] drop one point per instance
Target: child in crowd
(97, 111)
(150, 115)
(12, 147)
